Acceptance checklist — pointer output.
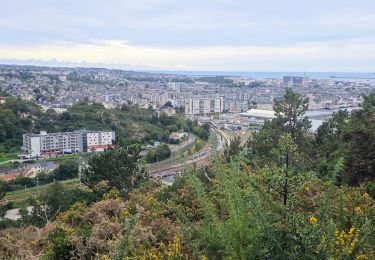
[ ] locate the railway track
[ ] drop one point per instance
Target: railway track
(199, 161)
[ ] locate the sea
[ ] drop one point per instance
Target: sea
(277, 75)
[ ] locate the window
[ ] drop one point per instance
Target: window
(212, 103)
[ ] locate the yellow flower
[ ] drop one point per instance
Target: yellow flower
(361, 256)
(313, 219)
(357, 210)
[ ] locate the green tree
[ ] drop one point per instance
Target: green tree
(359, 142)
(47, 205)
(3, 188)
(159, 153)
(287, 159)
(290, 113)
(289, 119)
(66, 170)
(168, 104)
(233, 149)
(119, 167)
(328, 147)
(345, 145)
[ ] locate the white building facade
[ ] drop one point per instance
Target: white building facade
(48, 144)
(203, 105)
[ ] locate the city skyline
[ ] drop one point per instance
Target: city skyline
(199, 36)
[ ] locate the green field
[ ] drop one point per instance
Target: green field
(9, 165)
(67, 157)
(19, 197)
(6, 157)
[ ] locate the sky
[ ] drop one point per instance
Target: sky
(194, 35)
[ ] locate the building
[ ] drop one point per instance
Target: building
(174, 86)
(48, 144)
(159, 98)
(203, 105)
(259, 113)
(97, 141)
(293, 81)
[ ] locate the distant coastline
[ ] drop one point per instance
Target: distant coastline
(254, 74)
(312, 75)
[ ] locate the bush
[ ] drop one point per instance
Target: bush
(159, 153)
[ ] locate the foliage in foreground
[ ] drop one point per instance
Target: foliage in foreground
(229, 211)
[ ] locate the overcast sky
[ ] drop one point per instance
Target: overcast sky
(222, 35)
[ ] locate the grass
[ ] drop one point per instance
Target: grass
(66, 157)
(9, 164)
(20, 197)
(6, 157)
(8, 154)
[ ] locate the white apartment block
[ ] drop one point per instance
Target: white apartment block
(47, 144)
(98, 141)
(203, 105)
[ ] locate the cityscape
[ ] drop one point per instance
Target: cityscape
(158, 129)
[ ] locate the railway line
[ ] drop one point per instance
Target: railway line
(198, 159)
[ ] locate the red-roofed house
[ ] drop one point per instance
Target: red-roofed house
(10, 176)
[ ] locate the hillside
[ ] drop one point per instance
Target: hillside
(131, 123)
(287, 194)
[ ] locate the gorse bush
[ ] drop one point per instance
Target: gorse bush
(227, 212)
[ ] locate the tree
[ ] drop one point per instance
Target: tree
(286, 156)
(66, 170)
(359, 143)
(47, 205)
(345, 145)
(4, 186)
(233, 149)
(289, 111)
(328, 147)
(168, 104)
(119, 166)
(159, 153)
(289, 119)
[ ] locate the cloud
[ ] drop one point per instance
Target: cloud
(332, 56)
(232, 35)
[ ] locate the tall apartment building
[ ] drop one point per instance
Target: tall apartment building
(294, 81)
(46, 144)
(203, 105)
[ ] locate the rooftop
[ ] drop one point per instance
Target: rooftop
(262, 113)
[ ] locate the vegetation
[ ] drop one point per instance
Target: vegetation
(20, 197)
(288, 194)
(16, 118)
(117, 167)
(159, 153)
(3, 189)
(131, 123)
(66, 170)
